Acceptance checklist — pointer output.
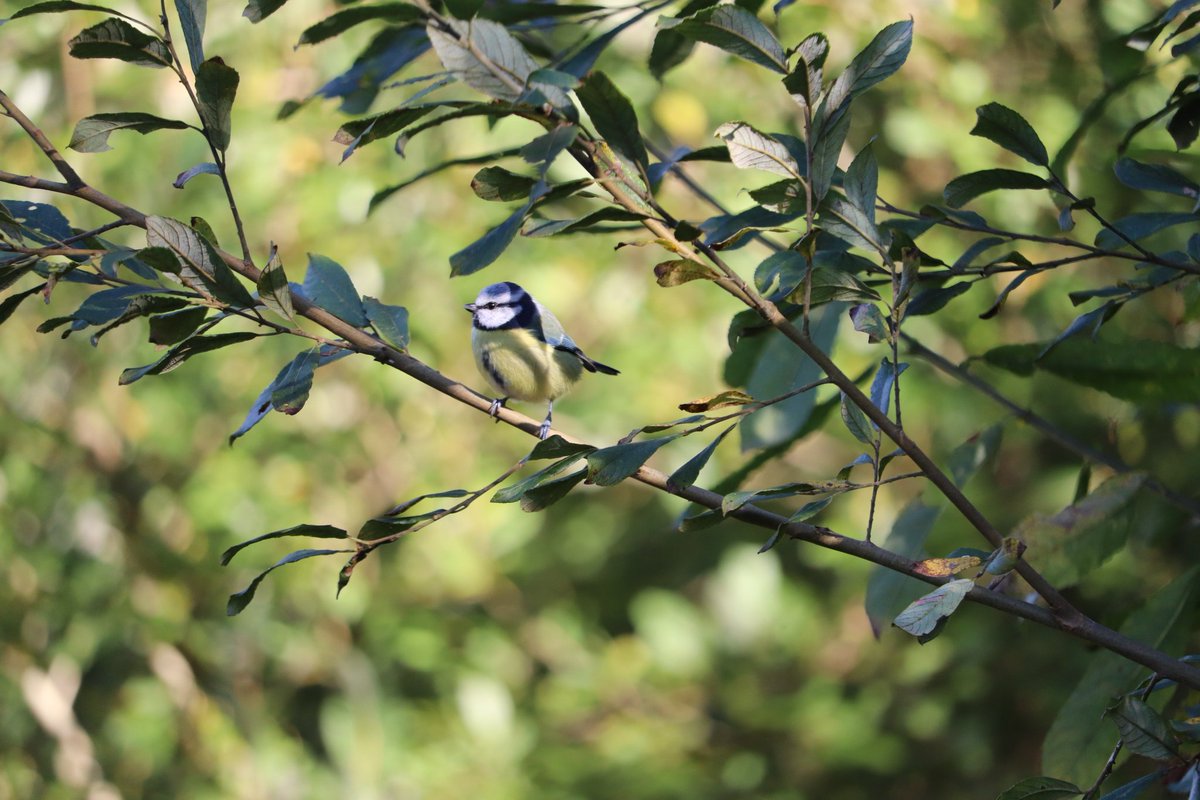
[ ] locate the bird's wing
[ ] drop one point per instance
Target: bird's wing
(552, 333)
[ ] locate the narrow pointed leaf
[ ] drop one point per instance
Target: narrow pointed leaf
(687, 474)
(205, 168)
(729, 397)
(1155, 177)
(182, 352)
(91, 133)
(856, 422)
(681, 271)
(192, 16)
(490, 246)
(514, 492)
(315, 531)
(550, 492)
(1140, 226)
(613, 117)
(1041, 789)
(343, 20)
(862, 182)
(499, 184)
(239, 600)
(175, 326)
(966, 188)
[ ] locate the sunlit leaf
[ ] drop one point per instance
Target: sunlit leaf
(735, 30)
(945, 567)
(729, 397)
(91, 133)
(502, 67)
(751, 149)
(613, 117)
(924, 616)
(681, 271)
(292, 385)
(273, 288)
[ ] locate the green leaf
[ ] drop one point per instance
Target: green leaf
(966, 188)
(1134, 788)
(1040, 789)
(676, 273)
(200, 261)
(258, 10)
(1070, 544)
(613, 117)
(1076, 747)
(502, 68)
(498, 184)
(216, 86)
(326, 284)
(486, 249)
(175, 326)
(751, 149)
(849, 223)
(833, 285)
(550, 492)
(862, 183)
(115, 38)
(591, 222)
(390, 322)
(238, 601)
(687, 474)
(557, 447)
(779, 274)
(58, 6)
(935, 298)
(734, 30)
(1009, 129)
(923, 618)
(868, 319)
(10, 303)
(359, 132)
(611, 465)
(273, 288)
(828, 138)
(91, 133)
(1155, 178)
(182, 352)
(804, 82)
(736, 500)
(856, 422)
(880, 59)
(514, 492)
(342, 21)
(777, 369)
(1144, 731)
(292, 385)
(1139, 226)
(315, 531)
(1143, 371)
(889, 592)
(192, 16)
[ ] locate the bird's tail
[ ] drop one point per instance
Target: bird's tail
(596, 366)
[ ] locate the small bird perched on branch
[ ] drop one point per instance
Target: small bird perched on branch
(523, 351)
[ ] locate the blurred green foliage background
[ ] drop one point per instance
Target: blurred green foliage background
(589, 651)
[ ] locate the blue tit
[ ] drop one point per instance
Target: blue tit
(523, 351)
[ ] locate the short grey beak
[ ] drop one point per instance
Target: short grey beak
(470, 307)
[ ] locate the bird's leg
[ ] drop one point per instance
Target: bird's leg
(544, 431)
(497, 404)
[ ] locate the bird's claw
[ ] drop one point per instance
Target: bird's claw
(497, 404)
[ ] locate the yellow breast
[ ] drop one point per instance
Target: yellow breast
(520, 366)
